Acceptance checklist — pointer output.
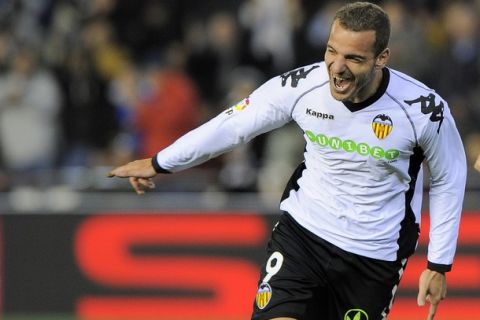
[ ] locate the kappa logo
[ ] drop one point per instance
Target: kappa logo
(427, 105)
(296, 75)
(319, 115)
(264, 294)
(382, 125)
(355, 314)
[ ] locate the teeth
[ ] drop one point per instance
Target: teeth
(338, 81)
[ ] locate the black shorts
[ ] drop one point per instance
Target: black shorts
(306, 277)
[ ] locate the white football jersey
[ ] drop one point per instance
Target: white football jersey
(360, 186)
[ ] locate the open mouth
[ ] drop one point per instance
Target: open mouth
(341, 84)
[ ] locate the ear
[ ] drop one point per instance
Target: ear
(382, 59)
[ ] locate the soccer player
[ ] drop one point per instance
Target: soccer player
(351, 210)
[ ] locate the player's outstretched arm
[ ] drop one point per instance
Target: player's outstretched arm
(139, 173)
(432, 287)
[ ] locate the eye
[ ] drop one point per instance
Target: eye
(330, 50)
(356, 59)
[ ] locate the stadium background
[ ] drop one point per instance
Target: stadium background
(86, 85)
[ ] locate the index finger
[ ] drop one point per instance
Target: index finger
(120, 172)
(422, 288)
(432, 311)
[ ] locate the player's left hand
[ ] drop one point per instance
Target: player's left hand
(432, 287)
(139, 174)
(477, 164)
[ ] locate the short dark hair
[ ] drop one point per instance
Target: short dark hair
(365, 16)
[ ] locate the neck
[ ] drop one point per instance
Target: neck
(371, 88)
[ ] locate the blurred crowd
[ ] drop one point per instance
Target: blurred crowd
(87, 84)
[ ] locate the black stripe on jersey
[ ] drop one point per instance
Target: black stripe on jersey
(292, 183)
(409, 229)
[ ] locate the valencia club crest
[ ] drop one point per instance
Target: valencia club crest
(382, 125)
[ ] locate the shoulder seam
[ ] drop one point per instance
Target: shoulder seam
(407, 115)
(423, 86)
(304, 93)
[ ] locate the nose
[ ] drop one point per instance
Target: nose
(338, 65)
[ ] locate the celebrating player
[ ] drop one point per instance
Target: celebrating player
(351, 210)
